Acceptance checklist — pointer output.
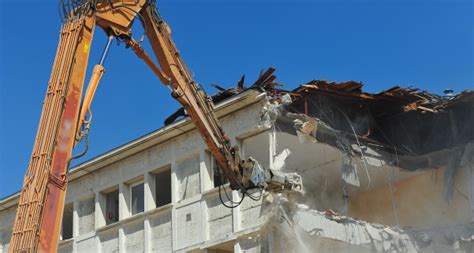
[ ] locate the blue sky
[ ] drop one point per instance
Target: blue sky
(428, 44)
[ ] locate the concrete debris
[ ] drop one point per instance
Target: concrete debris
(371, 156)
(274, 109)
(279, 160)
(459, 238)
(349, 171)
(270, 113)
(297, 228)
(305, 229)
(306, 130)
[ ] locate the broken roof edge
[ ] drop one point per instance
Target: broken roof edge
(153, 138)
(413, 98)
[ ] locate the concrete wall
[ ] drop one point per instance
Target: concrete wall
(7, 217)
(320, 168)
(418, 201)
(385, 194)
(161, 233)
(86, 215)
(108, 240)
(219, 217)
(187, 173)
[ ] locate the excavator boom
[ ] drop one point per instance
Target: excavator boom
(66, 115)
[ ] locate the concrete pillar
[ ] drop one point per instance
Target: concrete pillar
(124, 200)
(206, 171)
(75, 219)
(242, 148)
(74, 247)
(147, 235)
(236, 216)
(174, 198)
(98, 244)
(272, 146)
(100, 205)
(237, 248)
(204, 223)
(174, 183)
(174, 228)
(149, 191)
(121, 240)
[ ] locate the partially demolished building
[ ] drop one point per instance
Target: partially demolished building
(385, 172)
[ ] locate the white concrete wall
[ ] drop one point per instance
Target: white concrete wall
(219, 217)
(161, 232)
(134, 236)
(108, 240)
(66, 246)
(188, 225)
(7, 217)
(320, 167)
(86, 215)
(88, 244)
(251, 213)
(187, 173)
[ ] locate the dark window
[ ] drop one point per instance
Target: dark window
(112, 207)
(163, 188)
(219, 178)
(67, 222)
(138, 201)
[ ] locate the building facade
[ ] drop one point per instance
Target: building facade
(162, 193)
(157, 193)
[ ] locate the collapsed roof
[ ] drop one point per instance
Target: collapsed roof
(418, 129)
(408, 121)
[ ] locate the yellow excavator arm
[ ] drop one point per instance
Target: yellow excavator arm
(66, 115)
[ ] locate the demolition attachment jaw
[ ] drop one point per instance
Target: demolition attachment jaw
(254, 176)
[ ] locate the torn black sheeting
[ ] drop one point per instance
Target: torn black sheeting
(390, 120)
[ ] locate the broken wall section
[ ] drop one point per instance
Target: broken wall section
(345, 167)
(415, 202)
(320, 135)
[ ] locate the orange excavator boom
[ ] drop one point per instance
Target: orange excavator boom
(66, 115)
